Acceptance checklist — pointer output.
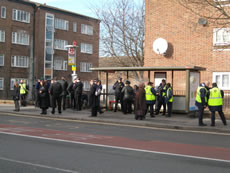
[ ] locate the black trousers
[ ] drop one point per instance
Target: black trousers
(56, 100)
(169, 106)
(72, 101)
(160, 103)
(151, 109)
(78, 101)
(200, 114)
(221, 116)
(63, 102)
(117, 99)
(127, 106)
(94, 111)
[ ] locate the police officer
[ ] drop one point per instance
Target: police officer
(201, 102)
(169, 99)
(118, 86)
(215, 102)
(161, 97)
(150, 97)
(23, 92)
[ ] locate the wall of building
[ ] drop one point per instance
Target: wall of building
(190, 44)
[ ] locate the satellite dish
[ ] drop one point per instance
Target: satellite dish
(202, 21)
(160, 46)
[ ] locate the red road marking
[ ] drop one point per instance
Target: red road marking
(151, 145)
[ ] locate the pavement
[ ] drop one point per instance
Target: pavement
(177, 121)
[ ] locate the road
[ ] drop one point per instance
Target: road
(36, 144)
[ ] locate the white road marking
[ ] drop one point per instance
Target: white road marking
(121, 125)
(120, 148)
(37, 165)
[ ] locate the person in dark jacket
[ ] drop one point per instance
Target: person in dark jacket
(215, 103)
(44, 97)
(169, 99)
(64, 84)
(128, 95)
(78, 88)
(16, 96)
(201, 102)
(161, 97)
(98, 93)
(70, 89)
(140, 103)
(118, 85)
(37, 88)
(55, 92)
(93, 98)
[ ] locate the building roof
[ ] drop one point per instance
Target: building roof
(54, 8)
(162, 68)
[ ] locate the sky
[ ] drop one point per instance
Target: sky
(78, 6)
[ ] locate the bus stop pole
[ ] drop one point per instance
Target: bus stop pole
(107, 90)
(149, 76)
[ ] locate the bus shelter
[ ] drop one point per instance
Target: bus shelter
(184, 103)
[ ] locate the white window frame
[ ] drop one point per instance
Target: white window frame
(18, 15)
(86, 85)
(2, 36)
(61, 24)
(15, 39)
(2, 79)
(221, 74)
(84, 67)
(3, 57)
(59, 46)
(63, 65)
(86, 48)
(86, 29)
(74, 27)
(12, 80)
(15, 61)
(3, 15)
(222, 42)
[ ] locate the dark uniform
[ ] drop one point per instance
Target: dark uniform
(169, 99)
(118, 95)
(201, 102)
(78, 88)
(56, 91)
(161, 99)
(64, 85)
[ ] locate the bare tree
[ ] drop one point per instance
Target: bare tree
(122, 32)
(216, 11)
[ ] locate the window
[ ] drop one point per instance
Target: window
(86, 85)
(3, 12)
(86, 48)
(20, 38)
(74, 27)
(12, 80)
(2, 36)
(61, 24)
(21, 16)
(1, 83)
(86, 29)
(20, 61)
(60, 44)
(84, 67)
(222, 79)
(221, 36)
(1, 60)
(60, 65)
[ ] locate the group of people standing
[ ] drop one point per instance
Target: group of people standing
(211, 98)
(143, 98)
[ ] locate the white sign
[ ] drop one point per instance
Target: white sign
(194, 83)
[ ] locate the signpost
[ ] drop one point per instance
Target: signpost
(72, 58)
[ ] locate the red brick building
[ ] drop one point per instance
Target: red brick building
(189, 43)
(32, 43)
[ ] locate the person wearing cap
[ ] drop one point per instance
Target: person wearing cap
(118, 86)
(161, 97)
(64, 85)
(128, 94)
(201, 102)
(215, 103)
(150, 97)
(93, 98)
(169, 99)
